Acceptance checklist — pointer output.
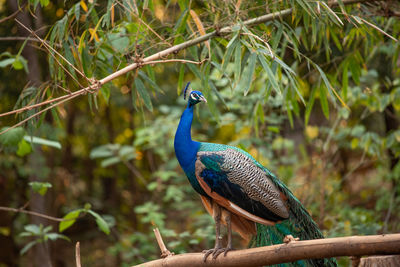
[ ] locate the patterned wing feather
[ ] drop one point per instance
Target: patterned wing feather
(233, 176)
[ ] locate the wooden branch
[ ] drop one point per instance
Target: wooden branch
(78, 254)
(293, 251)
(164, 251)
(96, 85)
(33, 213)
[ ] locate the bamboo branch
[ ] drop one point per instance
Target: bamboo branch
(293, 251)
(96, 85)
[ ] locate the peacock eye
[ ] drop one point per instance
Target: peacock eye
(194, 96)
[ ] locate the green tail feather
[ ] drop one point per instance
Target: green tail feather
(300, 224)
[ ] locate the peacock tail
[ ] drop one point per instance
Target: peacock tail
(300, 224)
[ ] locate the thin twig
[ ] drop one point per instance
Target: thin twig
(261, 40)
(376, 28)
(51, 218)
(69, 97)
(78, 254)
(176, 60)
(13, 14)
(164, 251)
(50, 49)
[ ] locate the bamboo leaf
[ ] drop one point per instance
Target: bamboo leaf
(144, 95)
(271, 76)
(228, 54)
(150, 81)
(324, 101)
(310, 104)
(180, 79)
(247, 76)
(238, 61)
(345, 81)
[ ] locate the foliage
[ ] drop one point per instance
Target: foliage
(40, 234)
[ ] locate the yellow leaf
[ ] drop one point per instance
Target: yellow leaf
(112, 15)
(93, 34)
(312, 131)
(139, 155)
(84, 6)
(199, 25)
(125, 89)
(238, 3)
(59, 12)
(354, 143)
(82, 42)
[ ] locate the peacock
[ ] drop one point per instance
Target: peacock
(241, 193)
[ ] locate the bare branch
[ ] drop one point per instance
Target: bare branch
(13, 15)
(293, 251)
(78, 254)
(51, 218)
(164, 251)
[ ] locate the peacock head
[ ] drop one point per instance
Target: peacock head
(193, 97)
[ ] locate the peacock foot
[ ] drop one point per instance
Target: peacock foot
(215, 252)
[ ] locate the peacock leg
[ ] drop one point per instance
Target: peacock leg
(227, 218)
(218, 239)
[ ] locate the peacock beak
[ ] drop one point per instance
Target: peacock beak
(203, 99)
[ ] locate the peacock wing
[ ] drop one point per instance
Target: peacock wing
(234, 181)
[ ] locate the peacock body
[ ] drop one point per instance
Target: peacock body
(241, 193)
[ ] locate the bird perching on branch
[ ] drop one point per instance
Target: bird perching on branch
(241, 193)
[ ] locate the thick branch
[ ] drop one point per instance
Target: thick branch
(293, 251)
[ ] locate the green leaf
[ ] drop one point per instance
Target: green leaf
(5, 62)
(55, 236)
(238, 61)
(143, 93)
(17, 64)
(345, 82)
(180, 79)
(247, 76)
(150, 81)
(271, 76)
(228, 54)
(24, 148)
(195, 71)
(33, 228)
(28, 246)
(40, 187)
(42, 141)
(180, 24)
(110, 161)
(70, 219)
(101, 223)
(324, 101)
(12, 137)
(104, 151)
(44, 3)
(310, 104)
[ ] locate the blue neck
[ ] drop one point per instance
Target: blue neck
(186, 149)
